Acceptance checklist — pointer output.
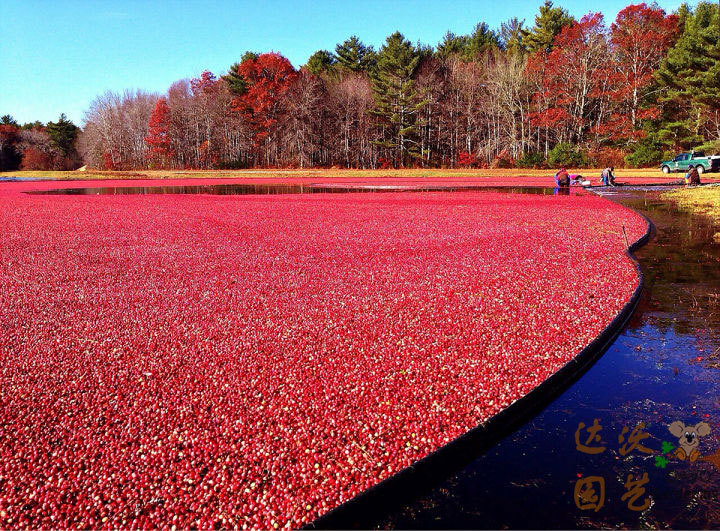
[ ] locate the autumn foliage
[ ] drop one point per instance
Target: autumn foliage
(574, 76)
(478, 100)
(158, 139)
(269, 77)
(640, 38)
(466, 159)
(36, 159)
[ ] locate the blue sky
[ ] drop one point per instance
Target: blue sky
(57, 56)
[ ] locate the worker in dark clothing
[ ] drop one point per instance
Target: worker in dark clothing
(693, 176)
(562, 178)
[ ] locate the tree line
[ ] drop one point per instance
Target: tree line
(562, 91)
(38, 146)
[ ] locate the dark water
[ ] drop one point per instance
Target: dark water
(273, 189)
(664, 367)
(15, 178)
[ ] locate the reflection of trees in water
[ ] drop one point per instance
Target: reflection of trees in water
(681, 271)
(683, 282)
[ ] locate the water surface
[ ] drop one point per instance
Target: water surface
(273, 189)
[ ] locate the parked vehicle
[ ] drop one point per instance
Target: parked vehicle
(696, 158)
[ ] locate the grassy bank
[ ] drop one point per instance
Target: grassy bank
(705, 201)
(315, 173)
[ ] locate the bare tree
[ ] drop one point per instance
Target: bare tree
(115, 128)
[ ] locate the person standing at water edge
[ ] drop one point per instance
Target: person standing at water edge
(692, 176)
(608, 177)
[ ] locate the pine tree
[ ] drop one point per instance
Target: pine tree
(548, 24)
(234, 81)
(355, 56)
(397, 102)
(469, 47)
(249, 56)
(480, 41)
(690, 75)
(321, 62)
(63, 134)
(511, 36)
(452, 45)
(37, 124)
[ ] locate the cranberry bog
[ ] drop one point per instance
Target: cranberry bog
(259, 360)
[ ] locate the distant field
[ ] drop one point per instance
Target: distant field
(325, 173)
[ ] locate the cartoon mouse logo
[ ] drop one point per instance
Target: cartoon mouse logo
(688, 439)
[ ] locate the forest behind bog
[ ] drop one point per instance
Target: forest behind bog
(558, 92)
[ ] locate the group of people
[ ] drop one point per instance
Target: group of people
(564, 179)
(607, 177)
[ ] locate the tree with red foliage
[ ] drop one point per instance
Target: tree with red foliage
(575, 76)
(206, 83)
(109, 161)
(640, 38)
(35, 159)
(268, 76)
(468, 160)
(158, 139)
(384, 164)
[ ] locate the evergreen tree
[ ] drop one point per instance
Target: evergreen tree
(355, 56)
(397, 102)
(469, 47)
(321, 62)
(424, 51)
(481, 40)
(8, 120)
(249, 56)
(690, 75)
(37, 124)
(63, 134)
(511, 36)
(548, 24)
(452, 45)
(235, 82)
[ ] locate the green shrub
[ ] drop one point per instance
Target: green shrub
(648, 152)
(531, 160)
(564, 154)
